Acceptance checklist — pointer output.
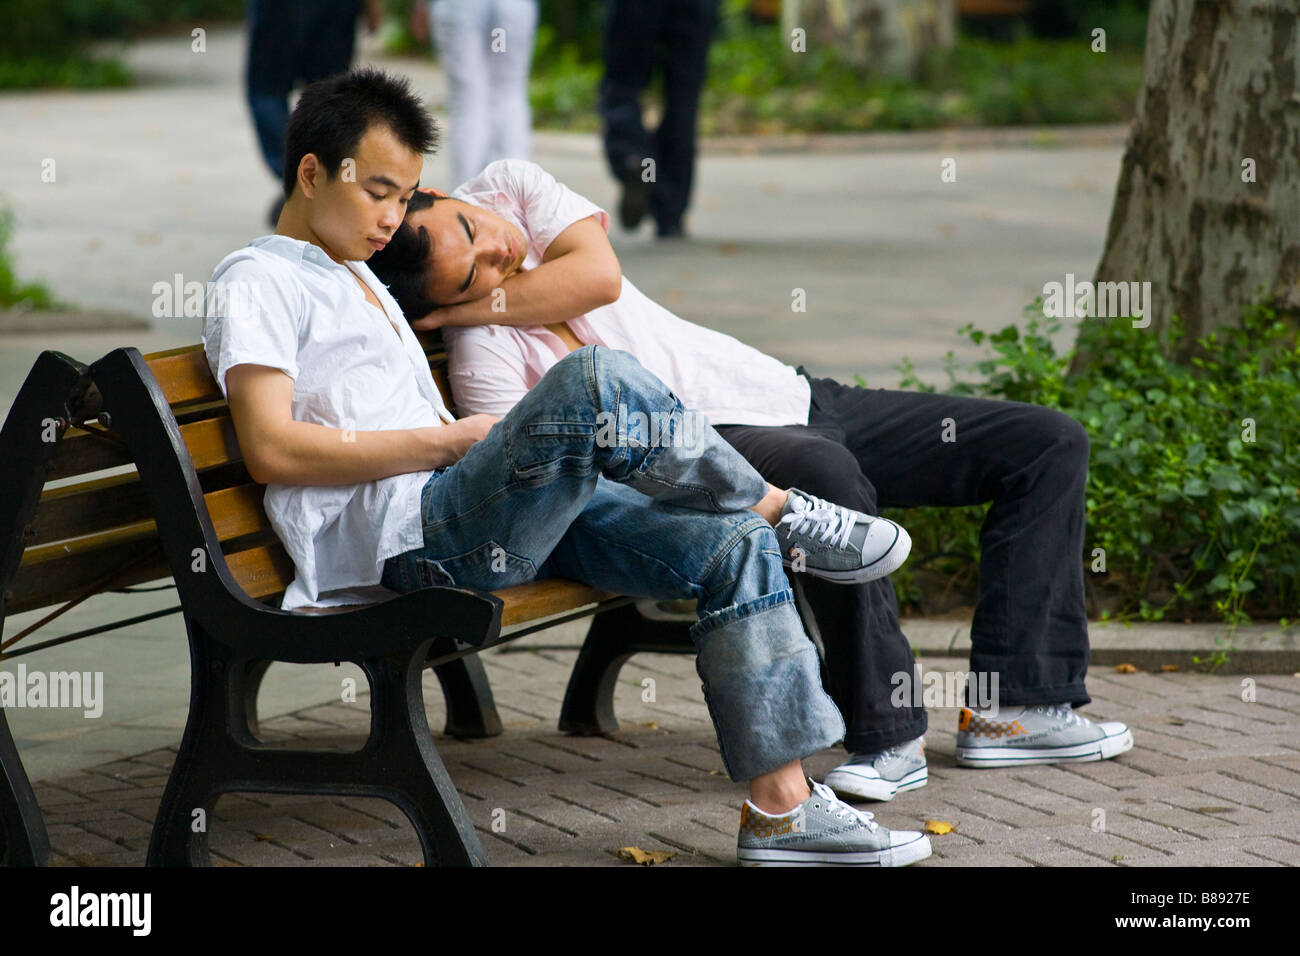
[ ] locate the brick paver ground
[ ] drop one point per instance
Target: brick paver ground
(1214, 780)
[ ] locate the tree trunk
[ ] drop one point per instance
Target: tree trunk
(887, 37)
(1219, 98)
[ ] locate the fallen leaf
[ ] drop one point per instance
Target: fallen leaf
(937, 827)
(1125, 669)
(1175, 721)
(1170, 668)
(265, 838)
(651, 724)
(635, 854)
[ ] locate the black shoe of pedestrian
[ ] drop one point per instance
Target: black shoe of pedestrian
(632, 207)
(670, 230)
(274, 215)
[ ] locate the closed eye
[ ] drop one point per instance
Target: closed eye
(473, 270)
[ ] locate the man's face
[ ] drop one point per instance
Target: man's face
(472, 250)
(356, 211)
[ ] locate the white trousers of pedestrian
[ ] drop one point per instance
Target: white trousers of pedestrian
(486, 49)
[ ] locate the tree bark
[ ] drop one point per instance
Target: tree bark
(1219, 90)
(886, 37)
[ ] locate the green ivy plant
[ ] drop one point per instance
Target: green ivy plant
(1192, 485)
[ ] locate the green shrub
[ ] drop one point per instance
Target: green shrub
(13, 292)
(756, 84)
(44, 42)
(1197, 516)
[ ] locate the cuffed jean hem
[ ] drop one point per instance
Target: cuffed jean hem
(762, 683)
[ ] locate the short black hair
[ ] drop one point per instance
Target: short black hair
(334, 113)
(401, 265)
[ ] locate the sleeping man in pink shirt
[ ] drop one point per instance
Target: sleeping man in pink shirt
(517, 271)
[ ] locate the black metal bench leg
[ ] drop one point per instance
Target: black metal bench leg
(398, 763)
(254, 671)
(180, 831)
(23, 839)
(614, 636)
(416, 780)
(471, 710)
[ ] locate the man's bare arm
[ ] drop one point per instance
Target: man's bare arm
(579, 272)
(279, 449)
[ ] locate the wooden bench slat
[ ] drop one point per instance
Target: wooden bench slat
(235, 512)
(212, 442)
(527, 602)
(184, 376)
(261, 571)
(87, 507)
(80, 453)
(53, 582)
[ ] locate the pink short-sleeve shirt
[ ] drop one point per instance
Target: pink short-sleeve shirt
(492, 366)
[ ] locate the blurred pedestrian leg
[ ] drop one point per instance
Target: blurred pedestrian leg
(291, 41)
(640, 36)
(486, 50)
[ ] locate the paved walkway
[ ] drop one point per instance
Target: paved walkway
(1212, 781)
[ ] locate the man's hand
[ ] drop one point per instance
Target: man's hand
(434, 320)
(461, 434)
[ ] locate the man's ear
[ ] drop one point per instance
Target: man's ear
(309, 169)
(429, 190)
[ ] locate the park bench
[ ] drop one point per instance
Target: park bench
(186, 508)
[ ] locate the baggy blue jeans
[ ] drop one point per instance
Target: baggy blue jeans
(572, 483)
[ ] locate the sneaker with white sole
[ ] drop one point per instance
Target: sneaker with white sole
(824, 831)
(837, 543)
(1045, 733)
(879, 776)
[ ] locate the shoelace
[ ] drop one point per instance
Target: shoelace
(825, 519)
(842, 810)
(1066, 713)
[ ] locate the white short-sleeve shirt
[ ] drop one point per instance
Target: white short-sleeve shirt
(284, 303)
(491, 367)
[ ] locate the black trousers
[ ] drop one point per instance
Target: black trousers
(640, 35)
(879, 448)
(291, 41)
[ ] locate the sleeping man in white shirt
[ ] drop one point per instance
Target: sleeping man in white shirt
(518, 272)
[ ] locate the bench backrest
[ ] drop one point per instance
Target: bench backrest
(93, 531)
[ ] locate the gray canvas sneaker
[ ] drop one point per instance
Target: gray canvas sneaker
(824, 831)
(837, 543)
(880, 776)
(1046, 733)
